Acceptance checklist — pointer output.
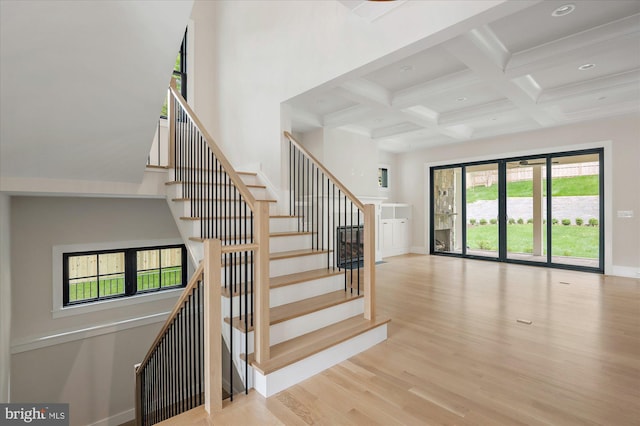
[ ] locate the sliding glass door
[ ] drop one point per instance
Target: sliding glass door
(526, 209)
(544, 210)
(575, 210)
(482, 210)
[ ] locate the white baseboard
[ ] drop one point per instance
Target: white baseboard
(117, 419)
(625, 271)
(419, 250)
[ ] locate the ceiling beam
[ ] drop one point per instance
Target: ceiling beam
(625, 80)
(599, 39)
(472, 50)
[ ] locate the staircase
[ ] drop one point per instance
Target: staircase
(315, 313)
(290, 288)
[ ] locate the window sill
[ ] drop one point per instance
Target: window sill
(115, 303)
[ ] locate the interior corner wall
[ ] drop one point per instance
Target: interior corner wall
(5, 297)
(353, 159)
(93, 374)
(623, 133)
(267, 52)
(202, 72)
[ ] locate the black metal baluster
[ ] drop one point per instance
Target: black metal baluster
(246, 323)
(290, 178)
(351, 248)
(230, 259)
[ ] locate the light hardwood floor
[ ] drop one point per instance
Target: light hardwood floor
(456, 353)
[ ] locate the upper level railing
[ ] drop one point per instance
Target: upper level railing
(341, 224)
(209, 183)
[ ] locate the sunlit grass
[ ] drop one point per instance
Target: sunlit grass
(574, 241)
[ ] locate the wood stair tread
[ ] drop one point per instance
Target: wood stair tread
(299, 348)
(178, 182)
(286, 280)
(244, 237)
(233, 217)
(299, 277)
(216, 199)
(219, 171)
(295, 253)
(282, 313)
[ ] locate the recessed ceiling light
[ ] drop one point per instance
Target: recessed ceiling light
(406, 68)
(563, 10)
(586, 67)
(461, 99)
(494, 119)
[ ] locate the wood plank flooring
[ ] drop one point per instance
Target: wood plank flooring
(457, 355)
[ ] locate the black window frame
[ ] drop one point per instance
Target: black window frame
(181, 74)
(130, 273)
(502, 251)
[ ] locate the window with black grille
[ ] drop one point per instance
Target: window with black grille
(108, 274)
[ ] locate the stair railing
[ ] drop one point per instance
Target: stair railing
(171, 378)
(227, 209)
(183, 367)
(341, 224)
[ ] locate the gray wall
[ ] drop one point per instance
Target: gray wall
(94, 374)
(5, 297)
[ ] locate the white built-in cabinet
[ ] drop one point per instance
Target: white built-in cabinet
(395, 229)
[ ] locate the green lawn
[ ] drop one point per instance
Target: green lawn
(575, 241)
(561, 187)
(114, 286)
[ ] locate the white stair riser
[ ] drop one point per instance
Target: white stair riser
(275, 224)
(289, 294)
(197, 175)
(224, 209)
(214, 225)
(286, 266)
(304, 290)
(294, 265)
(219, 191)
(295, 373)
(283, 224)
(296, 327)
(290, 242)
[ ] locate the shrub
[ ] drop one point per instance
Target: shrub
(472, 222)
(512, 221)
(483, 221)
(593, 222)
(566, 222)
(520, 221)
(484, 245)
(554, 221)
(579, 221)
(493, 221)
(529, 220)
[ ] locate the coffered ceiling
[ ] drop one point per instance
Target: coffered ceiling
(553, 63)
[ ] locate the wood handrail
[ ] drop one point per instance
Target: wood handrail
(226, 165)
(320, 166)
(183, 297)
